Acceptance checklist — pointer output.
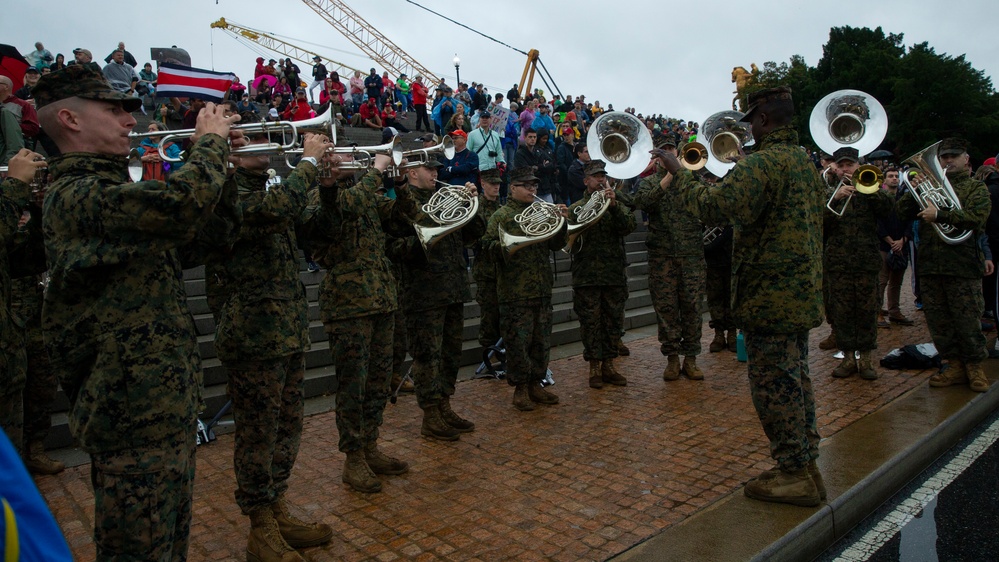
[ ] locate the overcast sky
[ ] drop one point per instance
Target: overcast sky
(673, 58)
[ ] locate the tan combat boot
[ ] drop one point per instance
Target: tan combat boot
(622, 349)
(820, 484)
(846, 367)
(407, 384)
(866, 367)
(452, 418)
(952, 372)
(596, 379)
(718, 344)
(610, 375)
(435, 427)
(521, 400)
(358, 475)
(265, 543)
(780, 486)
(733, 341)
(539, 395)
(976, 377)
(298, 533)
(380, 463)
(829, 342)
(672, 370)
(37, 462)
(690, 368)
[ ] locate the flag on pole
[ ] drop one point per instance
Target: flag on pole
(179, 81)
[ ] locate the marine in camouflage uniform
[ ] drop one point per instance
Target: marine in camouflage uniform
(950, 274)
(15, 196)
(357, 301)
(434, 293)
(599, 278)
(851, 267)
(718, 259)
(676, 273)
(484, 264)
(773, 199)
(524, 281)
(261, 337)
(116, 324)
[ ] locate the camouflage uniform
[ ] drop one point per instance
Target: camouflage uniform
(524, 282)
(484, 273)
(263, 332)
(600, 280)
(357, 299)
(950, 275)
(851, 266)
(40, 389)
(774, 200)
(14, 196)
(122, 342)
(718, 259)
(433, 297)
(676, 266)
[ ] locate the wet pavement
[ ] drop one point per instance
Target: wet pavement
(622, 471)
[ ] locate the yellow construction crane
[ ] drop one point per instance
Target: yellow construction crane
(281, 47)
(361, 33)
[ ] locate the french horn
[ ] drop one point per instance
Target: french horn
(539, 221)
(451, 207)
(586, 215)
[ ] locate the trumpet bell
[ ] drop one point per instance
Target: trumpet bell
(622, 141)
(868, 179)
(724, 135)
(848, 118)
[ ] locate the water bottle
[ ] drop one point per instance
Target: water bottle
(740, 346)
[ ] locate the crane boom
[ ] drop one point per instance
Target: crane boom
(279, 46)
(380, 48)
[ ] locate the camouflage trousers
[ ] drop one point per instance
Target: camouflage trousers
(953, 308)
(267, 406)
(782, 395)
(489, 317)
(400, 342)
(853, 307)
(676, 285)
(600, 319)
(142, 500)
(718, 286)
(39, 390)
(526, 327)
(435, 344)
(362, 355)
(12, 416)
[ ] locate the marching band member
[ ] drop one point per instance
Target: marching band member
(599, 279)
(433, 297)
(524, 283)
(261, 337)
(774, 201)
(484, 264)
(950, 275)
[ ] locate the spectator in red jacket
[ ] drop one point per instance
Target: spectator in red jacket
(298, 109)
(368, 115)
(419, 92)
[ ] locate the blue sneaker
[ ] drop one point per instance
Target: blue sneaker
(919, 305)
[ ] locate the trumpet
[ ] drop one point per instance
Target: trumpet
(322, 124)
(540, 221)
(451, 207)
(929, 184)
(38, 182)
(363, 156)
(866, 179)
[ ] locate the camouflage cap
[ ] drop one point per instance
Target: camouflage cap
(952, 146)
(663, 141)
(846, 153)
(429, 163)
(523, 175)
(491, 176)
(80, 81)
(762, 97)
(594, 167)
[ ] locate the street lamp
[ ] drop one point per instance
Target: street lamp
(457, 63)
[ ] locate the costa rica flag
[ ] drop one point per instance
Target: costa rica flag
(179, 81)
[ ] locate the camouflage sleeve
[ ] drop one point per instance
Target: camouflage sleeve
(175, 209)
(490, 240)
(882, 202)
(974, 211)
(623, 219)
(472, 232)
(219, 233)
(284, 202)
(907, 208)
(649, 193)
(403, 209)
(14, 195)
(26, 252)
(557, 242)
(739, 198)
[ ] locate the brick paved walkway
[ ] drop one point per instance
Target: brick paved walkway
(582, 480)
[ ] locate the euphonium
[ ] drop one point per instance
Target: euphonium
(540, 221)
(586, 215)
(451, 207)
(929, 184)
